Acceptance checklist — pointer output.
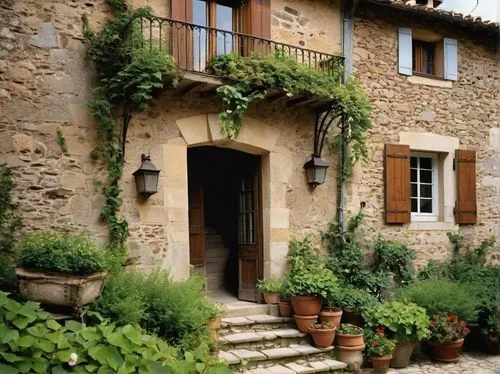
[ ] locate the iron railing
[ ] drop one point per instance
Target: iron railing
(194, 46)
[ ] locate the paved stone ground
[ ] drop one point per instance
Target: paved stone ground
(469, 363)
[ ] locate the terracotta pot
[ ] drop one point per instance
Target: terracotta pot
(381, 363)
(352, 356)
(492, 344)
(401, 354)
(303, 322)
(285, 309)
(322, 337)
(447, 352)
(214, 324)
(61, 289)
(331, 315)
(271, 297)
(346, 340)
(306, 305)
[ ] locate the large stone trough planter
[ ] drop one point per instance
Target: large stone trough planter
(60, 289)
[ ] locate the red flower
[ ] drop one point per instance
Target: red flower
(381, 330)
(453, 317)
(374, 344)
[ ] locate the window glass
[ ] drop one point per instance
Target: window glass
(422, 169)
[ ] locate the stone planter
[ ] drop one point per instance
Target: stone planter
(322, 338)
(352, 356)
(380, 364)
(401, 354)
(331, 315)
(304, 322)
(285, 309)
(60, 288)
(271, 298)
(447, 352)
(306, 305)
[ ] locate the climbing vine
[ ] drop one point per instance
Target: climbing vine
(129, 75)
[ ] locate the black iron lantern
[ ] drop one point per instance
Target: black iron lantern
(315, 171)
(146, 177)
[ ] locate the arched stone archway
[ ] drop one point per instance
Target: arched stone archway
(255, 138)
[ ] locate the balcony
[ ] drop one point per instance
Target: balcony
(194, 46)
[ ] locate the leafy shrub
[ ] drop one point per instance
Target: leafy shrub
(377, 344)
(271, 285)
(34, 342)
(405, 321)
(348, 329)
(394, 257)
(353, 299)
(175, 311)
(443, 296)
(67, 254)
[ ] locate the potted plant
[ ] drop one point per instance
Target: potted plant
(61, 270)
(491, 334)
(379, 349)
(214, 322)
(354, 302)
(285, 306)
(405, 322)
(331, 313)
(350, 345)
(271, 288)
(322, 334)
(447, 336)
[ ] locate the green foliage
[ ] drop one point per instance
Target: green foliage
(377, 344)
(347, 329)
(441, 295)
(9, 226)
(394, 257)
(176, 311)
(322, 326)
(308, 274)
(31, 341)
(353, 299)
(68, 254)
(405, 320)
(255, 74)
(61, 140)
(271, 285)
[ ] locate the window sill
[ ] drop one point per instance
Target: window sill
(425, 80)
(432, 226)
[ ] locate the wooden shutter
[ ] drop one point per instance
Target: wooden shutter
(256, 16)
(182, 37)
(405, 51)
(397, 183)
(465, 167)
(450, 59)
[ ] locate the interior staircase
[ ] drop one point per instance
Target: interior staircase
(216, 254)
(268, 344)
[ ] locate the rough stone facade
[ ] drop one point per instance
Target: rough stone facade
(45, 85)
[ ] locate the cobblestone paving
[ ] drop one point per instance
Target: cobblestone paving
(469, 363)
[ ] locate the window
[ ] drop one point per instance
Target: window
(424, 57)
(424, 186)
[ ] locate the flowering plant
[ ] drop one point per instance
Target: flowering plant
(377, 344)
(447, 328)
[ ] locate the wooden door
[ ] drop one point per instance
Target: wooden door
(196, 225)
(249, 232)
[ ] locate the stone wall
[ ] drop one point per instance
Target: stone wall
(469, 111)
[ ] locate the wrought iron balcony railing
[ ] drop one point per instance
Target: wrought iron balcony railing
(194, 46)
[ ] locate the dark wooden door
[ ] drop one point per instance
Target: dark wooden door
(196, 224)
(249, 231)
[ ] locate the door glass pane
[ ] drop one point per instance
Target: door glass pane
(246, 222)
(224, 19)
(199, 35)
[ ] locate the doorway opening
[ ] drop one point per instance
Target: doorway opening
(225, 220)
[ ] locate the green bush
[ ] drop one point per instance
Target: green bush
(394, 257)
(405, 320)
(175, 311)
(353, 299)
(440, 295)
(32, 342)
(67, 254)
(270, 285)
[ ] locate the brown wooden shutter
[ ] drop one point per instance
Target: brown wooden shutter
(466, 207)
(397, 183)
(257, 22)
(182, 37)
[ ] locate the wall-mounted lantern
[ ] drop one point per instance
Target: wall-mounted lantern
(315, 171)
(146, 177)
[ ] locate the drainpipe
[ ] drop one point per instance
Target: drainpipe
(349, 8)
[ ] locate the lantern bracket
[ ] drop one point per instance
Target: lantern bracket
(324, 120)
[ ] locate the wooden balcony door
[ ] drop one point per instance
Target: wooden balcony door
(249, 232)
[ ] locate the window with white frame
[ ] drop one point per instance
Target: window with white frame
(424, 186)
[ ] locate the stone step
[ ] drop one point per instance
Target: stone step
(300, 354)
(243, 308)
(323, 366)
(254, 323)
(216, 252)
(277, 338)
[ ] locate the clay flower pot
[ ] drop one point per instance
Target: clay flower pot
(304, 322)
(272, 297)
(346, 340)
(447, 352)
(331, 315)
(322, 338)
(381, 363)
(285, 309)
(352, 356)
(401, 354)
(306, 305)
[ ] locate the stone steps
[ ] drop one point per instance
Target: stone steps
(264, 344)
